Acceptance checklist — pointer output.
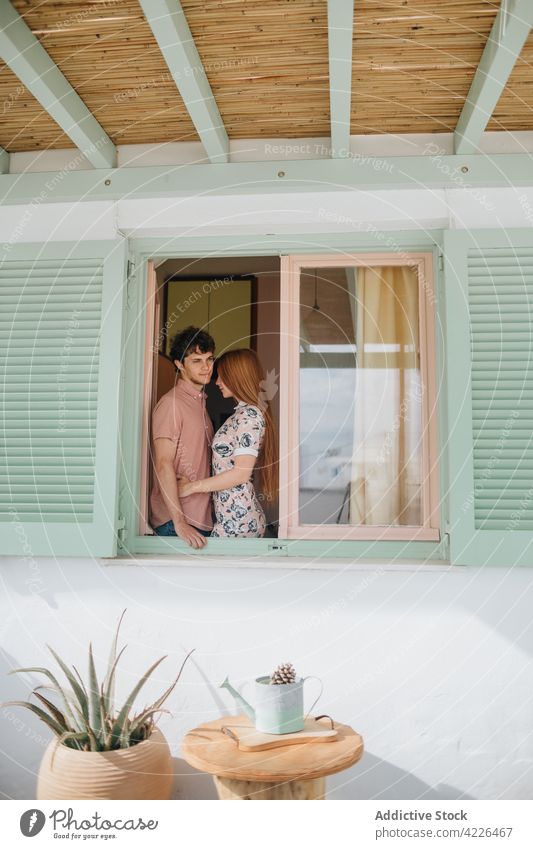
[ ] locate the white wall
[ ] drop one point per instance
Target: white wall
(273, 149)
(433, 668)
(312, 212)
(318, 212)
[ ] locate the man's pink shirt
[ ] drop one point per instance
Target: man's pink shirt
(181, 416)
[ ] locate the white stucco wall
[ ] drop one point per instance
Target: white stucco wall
(320, 212)
(432, 666)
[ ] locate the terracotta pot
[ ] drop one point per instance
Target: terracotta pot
(142, 772)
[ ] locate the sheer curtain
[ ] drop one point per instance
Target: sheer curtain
(386, 464)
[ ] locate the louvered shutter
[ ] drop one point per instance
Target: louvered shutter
(61, 318)
(489, 359)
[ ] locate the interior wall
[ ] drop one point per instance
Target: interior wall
(266, 270)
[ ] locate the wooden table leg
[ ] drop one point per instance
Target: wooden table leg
(230, 788)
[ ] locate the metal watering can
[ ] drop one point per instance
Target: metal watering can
(279, 707)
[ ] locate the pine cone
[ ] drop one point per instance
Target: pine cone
(284, 674)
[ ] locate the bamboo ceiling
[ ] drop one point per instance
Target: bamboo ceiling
(413, 63)
(515, 107)
(267, 63)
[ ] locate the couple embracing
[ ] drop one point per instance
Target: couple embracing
(198, 473)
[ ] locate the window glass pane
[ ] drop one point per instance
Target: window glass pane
(360, 397)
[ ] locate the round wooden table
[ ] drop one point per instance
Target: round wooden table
(288, 772)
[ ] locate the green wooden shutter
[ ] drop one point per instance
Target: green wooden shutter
(61, 318)
(489, 357)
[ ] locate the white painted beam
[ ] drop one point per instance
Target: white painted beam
(340, 38)
(28, 59)
(507, 37)
(171, 30)
(278, 177)
(4, 161)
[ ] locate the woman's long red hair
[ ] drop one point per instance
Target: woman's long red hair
(242, 373)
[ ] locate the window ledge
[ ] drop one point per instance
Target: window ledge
(340, 564)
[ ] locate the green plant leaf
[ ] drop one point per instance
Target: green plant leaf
(124, 740)
(77, 722)
(53, 710)
(157, 704)
(46, 718)
(67, 701)
(75, 736)
(82, 683)
(109, 682)
(103, 716)
(88, 722)
(95, 717)
(72, 735)
(138, 720)
(118, 726)
(80, 695)
(94, 743)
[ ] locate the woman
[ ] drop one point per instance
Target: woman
(247, 438)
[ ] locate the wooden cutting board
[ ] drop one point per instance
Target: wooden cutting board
(251, 740)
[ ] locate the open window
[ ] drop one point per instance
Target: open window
(359, 442)
(349, 342)
(236, 300)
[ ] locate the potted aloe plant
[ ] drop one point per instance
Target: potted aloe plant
(100, 751)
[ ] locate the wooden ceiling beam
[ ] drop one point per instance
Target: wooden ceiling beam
(340, 40)
(507, 37)
(30, 62)
(171, 30)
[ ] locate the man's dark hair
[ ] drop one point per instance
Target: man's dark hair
(188, 341)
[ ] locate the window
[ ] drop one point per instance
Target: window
(357, 339)
(354, 344)
(77, 413)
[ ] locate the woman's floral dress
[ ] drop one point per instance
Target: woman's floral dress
(238, 513)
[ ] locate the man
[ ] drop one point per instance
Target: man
(182, 433)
